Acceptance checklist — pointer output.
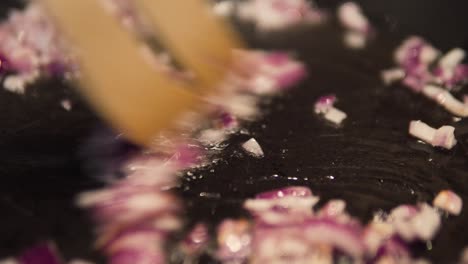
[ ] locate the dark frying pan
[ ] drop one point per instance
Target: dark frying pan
(373, 162)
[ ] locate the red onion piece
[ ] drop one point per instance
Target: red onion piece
(422, 223)
(393, 250)
(460, 74)
(128, 205)
(443, 137)
(212, 136)
(449, 72)
(141, 243)
(283, 205)
(45, 253)
(66, 104)
(352, 18)
(252, 147)
(357, 26)
(354, 40)
(288, 246)
(415, 82)
(18, 83)
(415, 56)
(234, 241)
(333, 209)
(275, 71)
(228, 121)
(392, 75)
(376, 234)
(344, 237)
(279, 14)
(31, 43)
(452, 59)
(294, 191)
(224, 8)
(324, 106)
(196, 240)
(448, 201)
(414, 52)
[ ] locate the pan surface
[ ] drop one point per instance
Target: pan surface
(374, 163)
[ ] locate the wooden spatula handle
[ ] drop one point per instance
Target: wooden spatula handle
(116, 79)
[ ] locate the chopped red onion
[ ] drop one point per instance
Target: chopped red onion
(415, 56)
(333, 209)
(275, 71)
(324, 106)
(252, 147)
(287, 200)
(185, 156)
(443, 137)
(446, 100)
(351, 17)
(449, 72)
(139, 208)
(234, 241)
(45, 253)
(196, 240)
(285, 220)
(448, 201)
(18, 83)
(416, 82)
(412, 223)
(212, 136)
(452, 59)
(30, 42)
(450, 78)
(344, 237)
(392, 75)
(393, 250)
(460, 75)
(142, 242)
(224, 8)
(279, 14)
(242, 106)
(294, 191)
(66, 104)
(226, 121)
(376, 234)
(355, 40)
(128, 206)
(422, 131)
(356, 24)
(414, 52)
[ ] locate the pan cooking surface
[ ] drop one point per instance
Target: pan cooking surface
(370, 161)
